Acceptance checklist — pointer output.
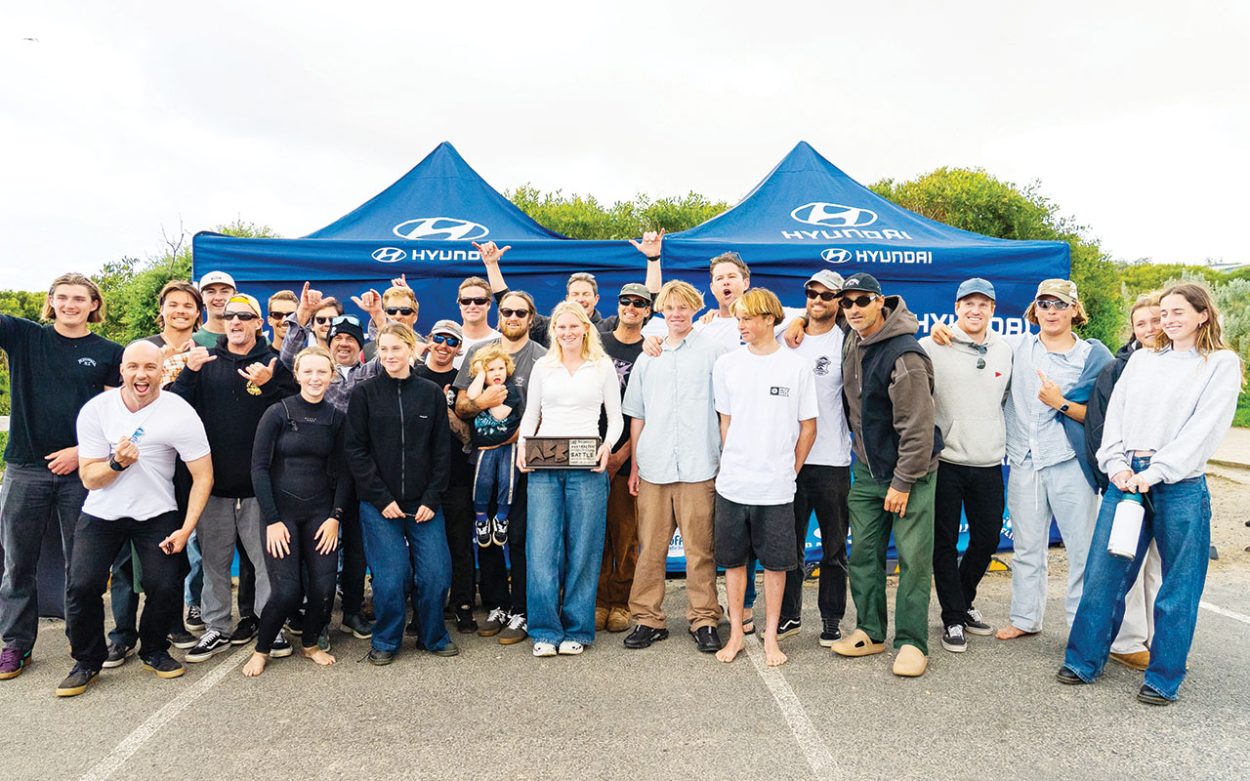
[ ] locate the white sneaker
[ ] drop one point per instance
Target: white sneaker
(545, 649)
(570, 648)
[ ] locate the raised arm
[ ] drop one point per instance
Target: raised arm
(490, 259)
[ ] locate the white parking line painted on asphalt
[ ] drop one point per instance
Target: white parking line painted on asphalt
(109, 765)
(1226, 613)
(819, 757)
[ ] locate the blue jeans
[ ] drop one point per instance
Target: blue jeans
(194, 583)
(493, 479)
(567, 520)
(31, 497)
(387, 545)
(1178, 519)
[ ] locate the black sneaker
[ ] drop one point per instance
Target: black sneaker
(974, 624)
(281, 647)
(465, 623)
(1151, 697)
(830, 635)
(644, 636)
(358, 626)
(481, 531)
(788, 626)
(245, 632)
(496, 620)
(164, 665)
(413, 629)
(194, 620)
(295, 624)
(118, 654)
(499, 531)
(451, 649)
(76, 682)
(380, 658)
(182, 640)
(953, 639)
(211, 643)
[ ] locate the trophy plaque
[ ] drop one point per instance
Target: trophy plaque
(562, 452)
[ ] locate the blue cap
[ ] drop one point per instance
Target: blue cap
(975, 285)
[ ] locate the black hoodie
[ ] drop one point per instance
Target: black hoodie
(1096, 408)
(230, 413)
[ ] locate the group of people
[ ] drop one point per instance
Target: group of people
(331, 449)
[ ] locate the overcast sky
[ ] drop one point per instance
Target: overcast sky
(121, 119)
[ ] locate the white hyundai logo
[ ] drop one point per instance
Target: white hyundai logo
(445, 228)
(835, 255)
(389, 254)
(834, 215)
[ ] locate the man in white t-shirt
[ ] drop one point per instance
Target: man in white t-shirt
(474, 301)
(766, 397)
(128, 440)
(825, 479)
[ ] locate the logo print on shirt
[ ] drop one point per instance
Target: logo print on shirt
(822, 366)
(779, 390)
(85, 361)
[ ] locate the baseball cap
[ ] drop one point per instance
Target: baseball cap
(636, 290)
(1062, 289)
(828, 278)
(865, 282)
(975, 285)
(217, 278)
(244, 298)
(346, 324)
(449, 327)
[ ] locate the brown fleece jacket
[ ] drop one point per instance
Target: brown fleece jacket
(911, 391)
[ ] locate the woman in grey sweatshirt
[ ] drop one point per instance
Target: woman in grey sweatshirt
(1167, 414)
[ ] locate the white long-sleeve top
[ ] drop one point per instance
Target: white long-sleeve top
(563, 404)
(1178, 404)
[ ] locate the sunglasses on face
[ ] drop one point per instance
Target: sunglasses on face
(322, 320)
(450, 341)
(636, 303)
(862, 302)
(280, 315)
(1052, 303)
(520, 313)
(400, 310)
(242, 317)
(474, 301)
(827, 295)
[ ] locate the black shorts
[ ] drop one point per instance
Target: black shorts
(767, 530)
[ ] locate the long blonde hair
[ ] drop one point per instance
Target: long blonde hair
(1210, 336)
(592, 348)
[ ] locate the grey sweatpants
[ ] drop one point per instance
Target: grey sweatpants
(223, 520)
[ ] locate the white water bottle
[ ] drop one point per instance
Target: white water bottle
(1126, 528)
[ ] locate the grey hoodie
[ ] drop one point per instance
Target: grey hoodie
(970, 400)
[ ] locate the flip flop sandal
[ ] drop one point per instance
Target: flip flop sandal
(748, 626)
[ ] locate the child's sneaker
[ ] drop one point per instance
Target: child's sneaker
(499, 531)
(481, 529)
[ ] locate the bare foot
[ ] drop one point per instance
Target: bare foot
(318, 656)
(256, 665)
(1011, 633)
(732, 648)
(772, 652)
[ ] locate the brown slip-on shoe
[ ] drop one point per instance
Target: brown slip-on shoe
(910, 662)
(618, 619)
(601, 619)
(857, 643)
(1135, 661)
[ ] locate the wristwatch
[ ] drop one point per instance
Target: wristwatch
(1065, 407)
(653, 257)
(116, 467)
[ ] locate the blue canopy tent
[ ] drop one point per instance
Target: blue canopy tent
(807, 215)
(422, 226)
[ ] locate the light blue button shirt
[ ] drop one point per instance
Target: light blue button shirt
(672, 393)
(1034, 430)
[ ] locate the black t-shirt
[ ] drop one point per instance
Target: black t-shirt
(461, 471)
(50, 378)
(623, 357)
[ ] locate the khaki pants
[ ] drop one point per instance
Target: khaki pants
(620, 546)
(662, 509)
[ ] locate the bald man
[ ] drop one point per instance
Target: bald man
(128, 439)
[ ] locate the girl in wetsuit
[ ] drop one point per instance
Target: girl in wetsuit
(301, 485)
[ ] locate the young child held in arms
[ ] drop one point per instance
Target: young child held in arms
(494, 437)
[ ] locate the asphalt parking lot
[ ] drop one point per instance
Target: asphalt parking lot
(665, 712)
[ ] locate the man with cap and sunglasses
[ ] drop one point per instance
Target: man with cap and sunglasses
(216, 288)
(440, 367)
(888, 392)
(971, 378)
(346, 341)
(825, 479)
(230, 386)
(623, 344)
(1054, 372)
